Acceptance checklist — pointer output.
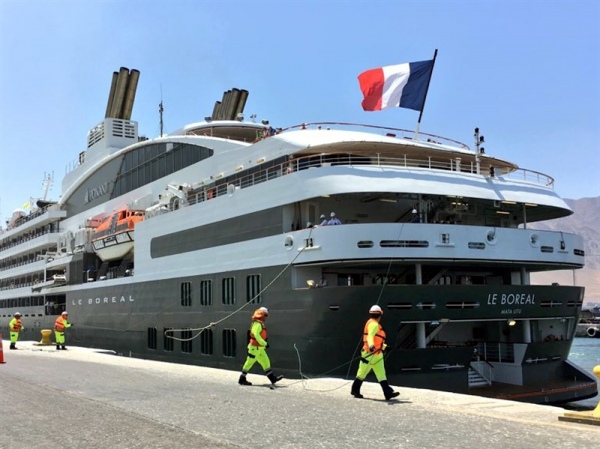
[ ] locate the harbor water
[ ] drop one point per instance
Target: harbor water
(585, 352)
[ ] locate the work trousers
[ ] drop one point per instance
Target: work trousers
(368, 362)
(60, 337)
(256, 354)
(14, 337)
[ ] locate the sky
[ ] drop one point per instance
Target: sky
(526, 72)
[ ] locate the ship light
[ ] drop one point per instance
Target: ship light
(530, 205)
(511, 322)
(508, 202)
(503, 212)
(261, 160)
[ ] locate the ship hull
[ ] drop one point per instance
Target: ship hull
(318, 332)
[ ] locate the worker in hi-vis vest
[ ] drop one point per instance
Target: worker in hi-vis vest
(257, 348)
(371, 357)
(61, 323)
(15, 326)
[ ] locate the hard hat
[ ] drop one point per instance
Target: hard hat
(17, 314)
(65, 313)
(376, 309)
(322, 216)
(333, 214)
(264, 310)
(414, 211)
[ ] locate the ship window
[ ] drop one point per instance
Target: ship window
(186, 341)
(229, 342)
(152, 338)
(253, 288)
(476, 245)
(404, 244)
(206, 293)
(229, 291)
(547, 249)
(206, 342)
(167, 340)
(186, 294)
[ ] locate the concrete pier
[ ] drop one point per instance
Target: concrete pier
(83, 398)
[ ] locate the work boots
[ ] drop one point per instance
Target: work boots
(64, 347)
(355, 391)
(387, 390)
(12, 346)
(58, 347)
(273, 378)
(242, 380)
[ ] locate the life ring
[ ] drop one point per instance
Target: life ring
(591, 331)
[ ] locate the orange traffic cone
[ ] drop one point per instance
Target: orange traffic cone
(1, 351)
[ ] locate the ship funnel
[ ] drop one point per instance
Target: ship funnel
(225, 105)
(239, 109)
(231, 105)
(132, 82)
(234, 97)
(117, 103)
(216, 110)
(111, 95)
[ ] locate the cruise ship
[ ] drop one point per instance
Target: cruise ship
(162, 248)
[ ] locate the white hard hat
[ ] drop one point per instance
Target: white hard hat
(375, 309)
(333, 214)
(17, 314)
(264, 310)
(414, 211)
(65, 313)
(322, 216)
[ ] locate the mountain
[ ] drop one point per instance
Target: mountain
(585, 222)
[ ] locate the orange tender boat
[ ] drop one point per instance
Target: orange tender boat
(113, 238)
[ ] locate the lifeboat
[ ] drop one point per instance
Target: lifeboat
(113, 238)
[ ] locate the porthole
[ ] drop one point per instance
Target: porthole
(288, 243)
(534, 240)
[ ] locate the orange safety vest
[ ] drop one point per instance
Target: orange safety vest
(378, 340)
(15, 325)
(59, 325)
(263, 333)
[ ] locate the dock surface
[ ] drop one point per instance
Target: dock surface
(84, 398)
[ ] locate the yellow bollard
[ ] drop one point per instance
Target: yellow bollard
(592, 417)
(596, 412)
(45, 341)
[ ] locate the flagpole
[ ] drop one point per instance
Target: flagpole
(425, 99)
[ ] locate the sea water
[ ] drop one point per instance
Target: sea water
(585, 352)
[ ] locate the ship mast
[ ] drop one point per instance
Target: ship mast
(48, 180)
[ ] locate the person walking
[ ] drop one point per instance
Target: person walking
(257, 348)
(60, 325)
(15, 326)
(372, 356)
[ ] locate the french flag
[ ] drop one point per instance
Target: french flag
(402, 85)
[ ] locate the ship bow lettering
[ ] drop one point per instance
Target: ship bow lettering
(516, 299)
(104, 300)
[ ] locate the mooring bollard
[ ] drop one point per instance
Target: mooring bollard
(590, 417)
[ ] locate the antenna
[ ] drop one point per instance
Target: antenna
(160, 112)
